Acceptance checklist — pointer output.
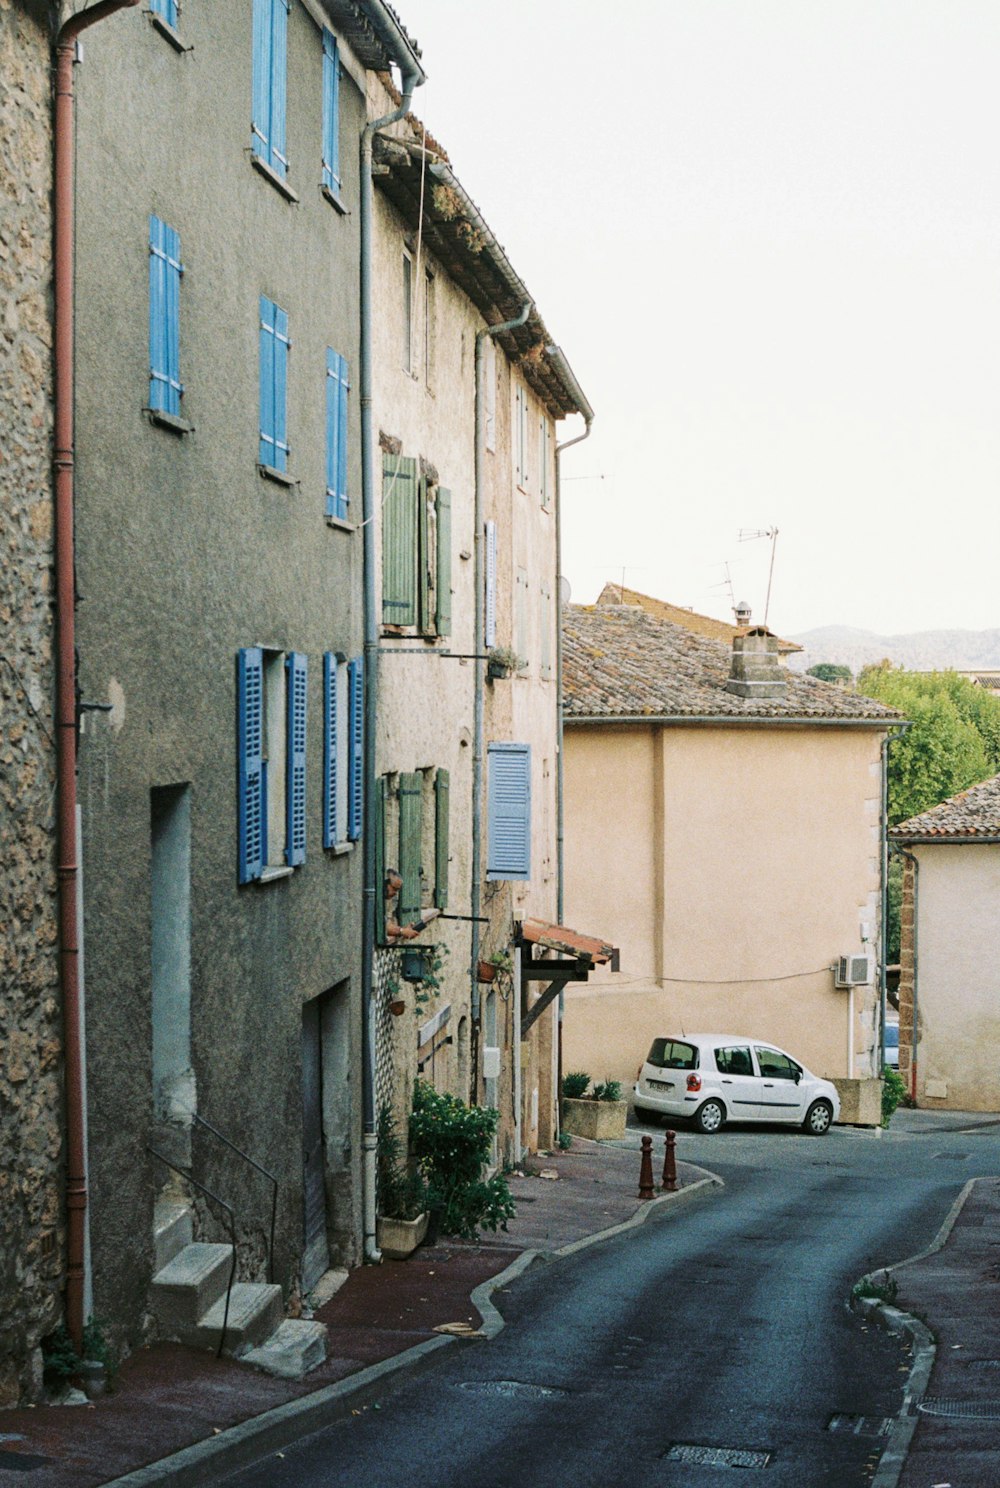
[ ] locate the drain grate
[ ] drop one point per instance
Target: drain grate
(952, 1156)
(511, 1389)
(860, 1425)
(968, 1410)
(716, 1456)
(983, 1364)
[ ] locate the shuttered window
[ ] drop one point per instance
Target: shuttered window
(335, 733)
(355, 752)
(337, 384)
(546, 625)
(270, 81)
(331, 113)
(441, 842)
(490, 617)
(442, 617)
(250, 788)
(509, 812)
(544, 461)
(165, 271)
(380, 795)
(410, 837)
(295, 760)
(274, 347)
(399, 540)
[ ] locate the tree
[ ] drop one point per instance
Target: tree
(953, 741)
(830, 671)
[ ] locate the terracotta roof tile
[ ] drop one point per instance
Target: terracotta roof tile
(972, 813)
(620, 661)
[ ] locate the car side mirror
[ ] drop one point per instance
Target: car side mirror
(798, 1076)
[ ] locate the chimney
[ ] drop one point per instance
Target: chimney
(756, 670)
(742, 612)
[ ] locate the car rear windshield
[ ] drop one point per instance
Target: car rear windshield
(672, 1054)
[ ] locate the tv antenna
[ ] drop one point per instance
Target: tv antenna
(727, 583)
(748, 534)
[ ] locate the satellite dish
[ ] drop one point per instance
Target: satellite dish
(565, 592)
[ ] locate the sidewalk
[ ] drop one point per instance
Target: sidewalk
(169, 1397)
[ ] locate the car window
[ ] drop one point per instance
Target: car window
(734, 1060)
(775, 1065)
(672, 1054)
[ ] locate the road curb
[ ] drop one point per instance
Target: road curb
(897, 1322)
(239, 1446)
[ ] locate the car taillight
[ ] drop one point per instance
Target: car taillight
(694, 1082)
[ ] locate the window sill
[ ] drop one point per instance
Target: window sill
(168, 421)
(336, 201)
(165, 29)
(343, 525)
(280, 477)
(270, 875)
(341, 849)
(270, 174)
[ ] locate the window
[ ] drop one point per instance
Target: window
(428, 337)
(416, 549)
(169, 10)
(407, 313)
(546, 626)
(490, 392)
(544, 461)
(337, 385)
(343, 733)
(274, 347)
(271, 748)
(521, 642)
(270, 47)
(331, 113)
(521, 437)
(490, 617)
(776, 1066)
(165, 270)
(415, 817)
(734, 1061)
(509, 812)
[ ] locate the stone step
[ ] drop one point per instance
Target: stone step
(292, 1351)
(172, 1229)
(255, 1312)
(188, 1285)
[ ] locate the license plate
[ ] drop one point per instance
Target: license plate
(660, 1084)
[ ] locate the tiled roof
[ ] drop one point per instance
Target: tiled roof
(706, 625)
(972, 813)
(619, 661)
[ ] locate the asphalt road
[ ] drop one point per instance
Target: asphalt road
(719, 1329)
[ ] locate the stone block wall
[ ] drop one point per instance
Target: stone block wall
(906, 973)
(31, 1228)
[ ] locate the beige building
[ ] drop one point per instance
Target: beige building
(723, 827)
(949, 987)
(466, 542)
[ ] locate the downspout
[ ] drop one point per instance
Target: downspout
(912, 858)
(475, 895)
(589, 420)
(410, 80)
(67, 869)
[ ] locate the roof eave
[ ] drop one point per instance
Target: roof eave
(713, 720)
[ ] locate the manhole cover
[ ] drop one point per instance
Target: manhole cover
(716, 1456)
(860, 1425)
(510, 1389)
(970, 1410)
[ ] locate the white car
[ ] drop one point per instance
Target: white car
(711, 1078)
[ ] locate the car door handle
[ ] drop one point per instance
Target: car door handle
(725, 1082)
(768, 1084)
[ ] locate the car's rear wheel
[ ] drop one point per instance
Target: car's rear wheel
(647, 1118)
(818, 1118)
(709, 1117)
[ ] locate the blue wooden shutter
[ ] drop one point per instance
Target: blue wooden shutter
(355, 763)
(337, 385)
(295, 760)
(164, 317)
(331, 112)
(331, 825)
(249, 738)
(490, 617)
(509, 811)
(270, 82)
(442, 578)
(274, 344)
(167, 9)
(399, 540)
(279, 84)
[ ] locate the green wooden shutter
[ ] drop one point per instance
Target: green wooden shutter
(399, 540)
(410, 831)
(441, 788)
(380, 861)
(424, 560)
(443, 616)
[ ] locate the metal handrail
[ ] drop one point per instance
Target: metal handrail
(254, 1164)
(184, 1173)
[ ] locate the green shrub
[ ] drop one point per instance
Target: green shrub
(402, 1193)
(451, 1144)
(574, 1086)
(893, 1093)
(611, 1090)
(60, 1360)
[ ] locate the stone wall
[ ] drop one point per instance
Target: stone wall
(31, 1234)
(906, 974)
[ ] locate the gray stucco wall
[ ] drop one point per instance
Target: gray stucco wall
(185, 555)
(31, 1230)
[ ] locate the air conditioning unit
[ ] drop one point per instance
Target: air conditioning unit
(854, 971)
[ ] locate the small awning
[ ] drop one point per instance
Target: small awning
(577, 956)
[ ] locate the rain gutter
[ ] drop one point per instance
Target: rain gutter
(711, 720)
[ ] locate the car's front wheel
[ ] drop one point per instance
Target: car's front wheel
(818, 1118)
(709, 1117)
(647, 1118)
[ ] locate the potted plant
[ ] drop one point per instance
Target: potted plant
(599, 1115)
(501, 661)
(490, 965)
(401, 1221)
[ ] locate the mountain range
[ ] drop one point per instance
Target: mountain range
(920, 651)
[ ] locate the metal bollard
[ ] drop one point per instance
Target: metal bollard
(646, 1169)
(669, 1184)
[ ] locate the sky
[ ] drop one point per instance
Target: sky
(766, 234)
